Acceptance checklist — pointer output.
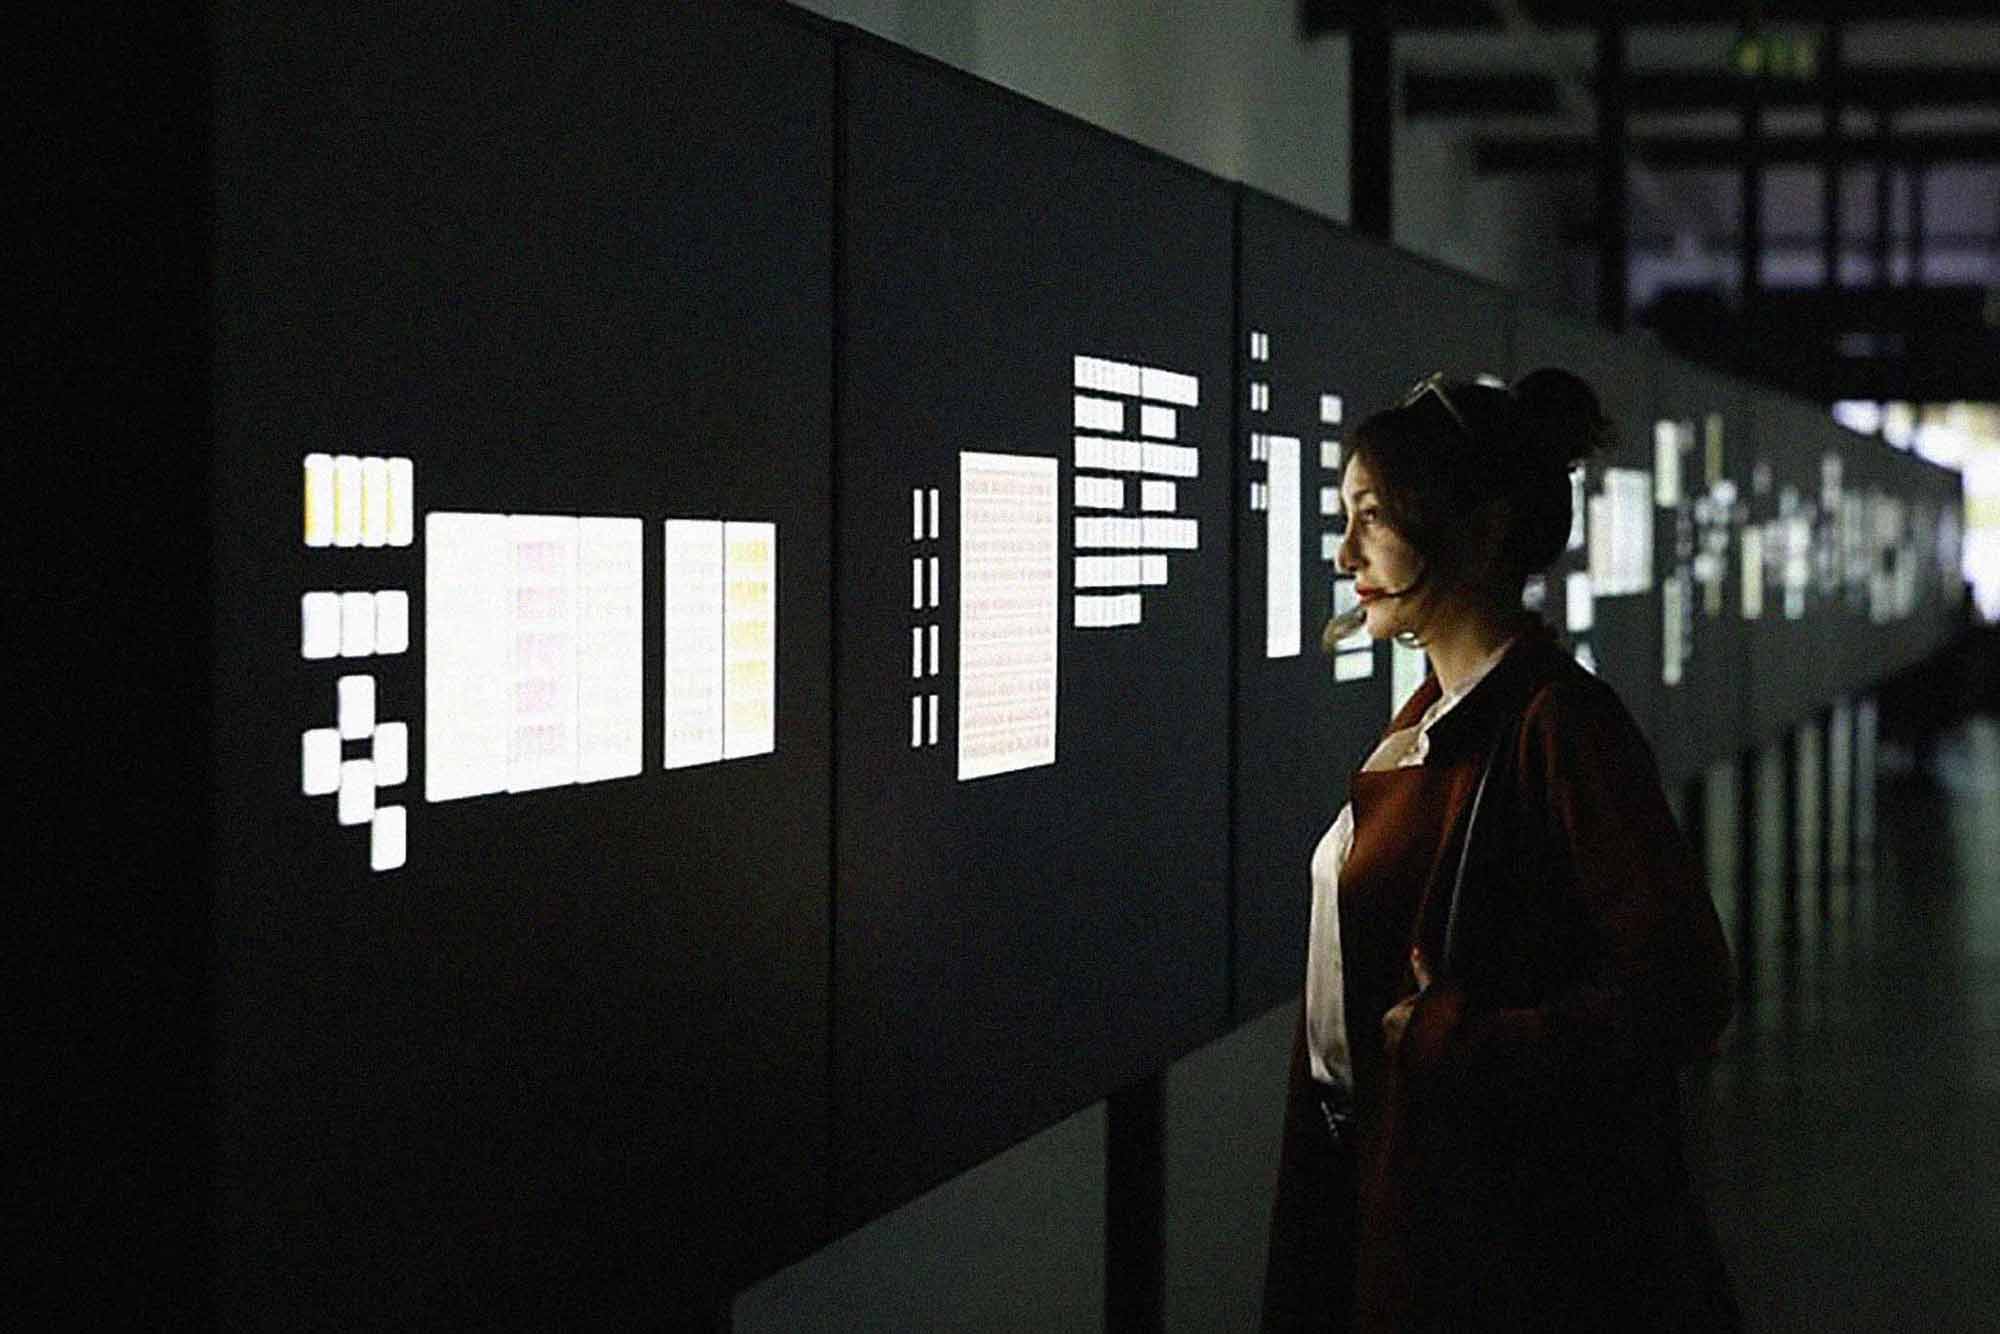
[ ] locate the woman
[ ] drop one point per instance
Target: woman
(1488, 1137)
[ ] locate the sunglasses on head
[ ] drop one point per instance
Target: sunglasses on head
(1434, 384)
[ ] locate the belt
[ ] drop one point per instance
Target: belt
(1336, 1107)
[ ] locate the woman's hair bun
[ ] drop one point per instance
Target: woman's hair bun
(1561, 417)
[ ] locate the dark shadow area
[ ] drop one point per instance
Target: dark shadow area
(1845, 1135)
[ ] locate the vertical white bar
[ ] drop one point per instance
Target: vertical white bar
(934, 512)
(1281, 551)
(930, 726)
(346, 501)
(750, 645)
(1672, 600)
(319, 500)
(356, 695)
(1577, 603)
(916, 651)
(319, 762)
(374, 502)
(916, 583)
(1008, 602)
(392, 621)
(934, 650)
(319, 625)
(610, 648)
(934, 580)
(357, 625)
(916, 721)
(391, 753)
(916, 514)
(693, 642)
(1666, 464)
(388, 839)
(541, 745)
(357, 792)
(1752, 602)
(1406, 673)
(468, 618)
(402, 502)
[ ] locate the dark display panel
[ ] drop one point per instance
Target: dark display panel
(1323, 315)
(515, 1024)
(1795, 472)
(1619, 591)
(1032, 684)
(1698, 543)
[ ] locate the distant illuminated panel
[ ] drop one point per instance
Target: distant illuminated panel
(1577, 507)
(1858, 414)
(1354, 656)
(1281, 550)
(750, 628)
(693, 642)
(1009, 584)
(1406, 672)
(1673, 627)
(1668, 440)
(1578, 608)
(1752, 545)
(1621, 533)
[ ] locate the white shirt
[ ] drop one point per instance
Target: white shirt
(1326, 1008)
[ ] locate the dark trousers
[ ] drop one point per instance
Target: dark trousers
(1309, 1273)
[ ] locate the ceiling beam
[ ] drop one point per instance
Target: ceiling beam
(1428, 93)
(1672, 153)
(1320, 17)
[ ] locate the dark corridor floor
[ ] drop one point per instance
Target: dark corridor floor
(1849, 1134)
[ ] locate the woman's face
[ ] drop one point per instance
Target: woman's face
(1376, 555)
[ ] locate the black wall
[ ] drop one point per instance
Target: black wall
(616, 1049)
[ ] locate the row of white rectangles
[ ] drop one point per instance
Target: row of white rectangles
(1108, 414)
(923, 503)
(1102, 613)
(359, 502)
(1109, 455)
(354, 625)
(1108, 493)
(1118, 377)
(1329, 451)
(1170, 534)
(1121, 571)
(923, 720)
(533, 659)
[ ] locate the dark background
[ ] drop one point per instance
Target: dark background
(623, 1047)
(576, 263)
(1012, 948)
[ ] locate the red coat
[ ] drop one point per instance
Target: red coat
(1518, 1158)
